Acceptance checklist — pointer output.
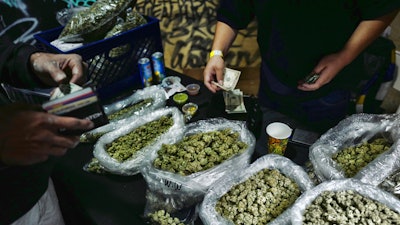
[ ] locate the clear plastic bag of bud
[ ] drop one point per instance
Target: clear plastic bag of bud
(141, 102)
(362, 146)
(345, 201)
(95, 21)
(124, 150)
(179, 174)
(259, 194)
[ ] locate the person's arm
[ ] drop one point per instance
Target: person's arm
(223, 39)
(365, 33)
(14, 65)
(23, 65)
(28, 135)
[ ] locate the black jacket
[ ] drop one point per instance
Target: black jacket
(20, 186)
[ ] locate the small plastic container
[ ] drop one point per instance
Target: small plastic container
(180, 98)
(193, 89)
(189, 109)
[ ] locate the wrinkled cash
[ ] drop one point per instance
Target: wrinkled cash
(231, 78)
(311, 78)
(234, 101)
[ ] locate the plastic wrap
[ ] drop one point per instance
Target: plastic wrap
(366, 190)
(177, 192)
(155, 92)
(207, 210)
(93, 22)
(354, 130)
(64, 15)
(133, 165)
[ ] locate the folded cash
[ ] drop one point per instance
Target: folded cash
(234, 102)
(231, 78)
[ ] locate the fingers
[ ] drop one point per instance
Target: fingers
(69, 123)
(54, 69)
(214, 72)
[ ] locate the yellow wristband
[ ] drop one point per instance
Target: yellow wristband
(216, 52)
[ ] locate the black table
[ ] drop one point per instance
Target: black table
(88, 198)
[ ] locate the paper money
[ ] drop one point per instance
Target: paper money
(234, 102)
(231, 78)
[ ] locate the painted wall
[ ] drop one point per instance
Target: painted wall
(187, 28)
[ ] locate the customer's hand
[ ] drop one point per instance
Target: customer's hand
(28, 136)
(214, 71)
(328, 67)
(53, 69)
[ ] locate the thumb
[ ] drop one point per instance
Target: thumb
(58, 75)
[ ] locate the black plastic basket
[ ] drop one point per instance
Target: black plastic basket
(109, 74)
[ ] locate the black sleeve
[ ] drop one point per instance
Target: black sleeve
(14, 64)
(236, 13)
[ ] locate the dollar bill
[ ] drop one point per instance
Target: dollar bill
(234, 102)
(231, 78)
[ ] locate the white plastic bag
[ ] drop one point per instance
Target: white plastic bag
(354, 130)
(366, 190)
(177, 191)
(133, 165)
(271, 161)
(156, 93)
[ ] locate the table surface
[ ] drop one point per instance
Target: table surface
(89, 198)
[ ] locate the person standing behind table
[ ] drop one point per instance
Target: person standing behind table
(29, 138)
(297, 38)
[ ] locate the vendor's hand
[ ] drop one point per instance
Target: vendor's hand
(214, 71)
(328, 67)
(54, 69)
(28, 136)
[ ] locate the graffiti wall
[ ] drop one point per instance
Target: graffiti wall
(187, 28)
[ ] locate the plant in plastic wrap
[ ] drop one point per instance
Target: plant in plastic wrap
(345, 201)
(356, 133)
(132, 165)
(253, 198)
(173, 191)
(94, 22)
(142, 102)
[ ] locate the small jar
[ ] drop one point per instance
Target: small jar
(193, 89)
(180, 98)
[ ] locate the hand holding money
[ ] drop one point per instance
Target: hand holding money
(231, 78)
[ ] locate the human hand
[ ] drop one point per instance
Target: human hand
(214, 71)
(54, 69)
(28, 136)
(327, 68)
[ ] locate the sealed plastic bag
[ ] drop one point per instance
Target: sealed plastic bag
(94, 22)
(356, 130)
(210, 216)
(342, 206)
(141, 102)
(133, 164)
(172, 191)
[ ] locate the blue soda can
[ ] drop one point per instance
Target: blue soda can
(158, 66)
(145, 71)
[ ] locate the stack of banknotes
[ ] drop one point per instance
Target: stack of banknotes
(233, 97)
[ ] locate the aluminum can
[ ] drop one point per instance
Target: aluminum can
(157, 59)
(146, 73)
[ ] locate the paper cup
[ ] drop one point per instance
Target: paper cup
(278, 137)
